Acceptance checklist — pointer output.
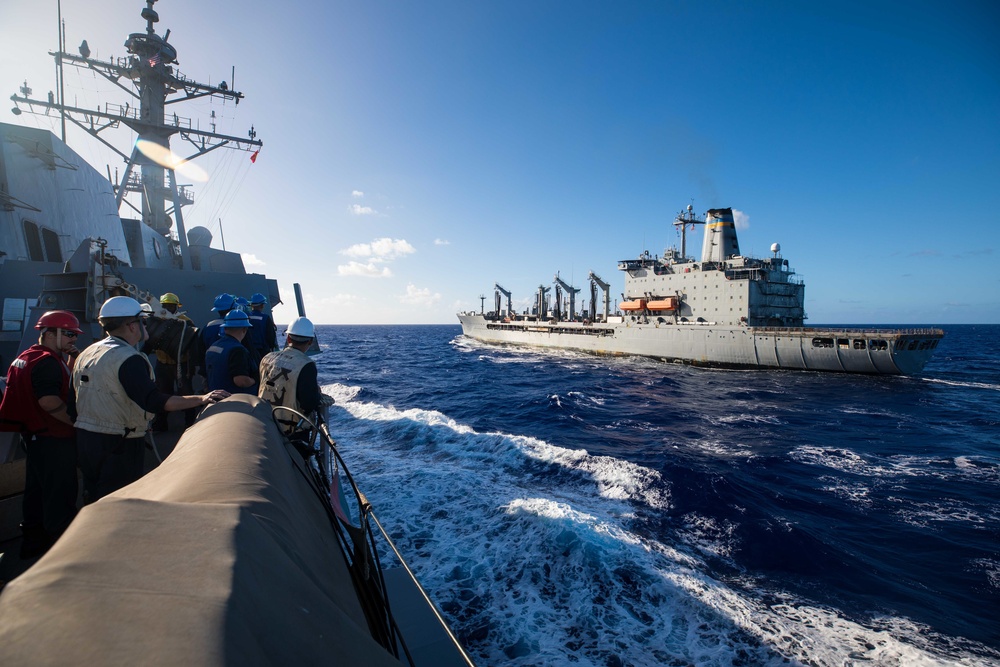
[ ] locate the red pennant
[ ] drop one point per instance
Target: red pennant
(253, 158)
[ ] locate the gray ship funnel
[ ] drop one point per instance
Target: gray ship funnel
(720, 236)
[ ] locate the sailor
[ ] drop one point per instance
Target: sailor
(37, 404)
(263, 335)
(228, 363)
(167, 367)
(115, 398)
(289, 377)
(223, 304)
(210, 332)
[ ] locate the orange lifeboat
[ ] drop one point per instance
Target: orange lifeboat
(670, 303)
(636, 304)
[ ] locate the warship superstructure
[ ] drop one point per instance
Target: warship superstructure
(70, 236)
(726, 310)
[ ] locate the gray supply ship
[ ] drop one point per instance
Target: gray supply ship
(236, 549)
(726, 310)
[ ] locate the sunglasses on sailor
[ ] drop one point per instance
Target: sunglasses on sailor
(63, 333)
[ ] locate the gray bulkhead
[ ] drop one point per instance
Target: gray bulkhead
(51, 199)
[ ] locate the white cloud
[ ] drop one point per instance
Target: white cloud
(741, 219)
(357, 193)
(441, 242)
(419, 297)
(380, 250)
(251, 260)
(358, 250)
(369, 270)
(387, 248)
(358, 209)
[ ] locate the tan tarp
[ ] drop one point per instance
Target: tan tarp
(221, 555)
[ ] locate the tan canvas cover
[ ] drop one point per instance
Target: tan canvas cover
(222, 555)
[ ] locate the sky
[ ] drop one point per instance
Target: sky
(416, 153)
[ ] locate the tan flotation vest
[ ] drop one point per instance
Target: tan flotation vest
(279, 379)
(101, 402)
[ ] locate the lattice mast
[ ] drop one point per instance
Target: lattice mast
(151, 69)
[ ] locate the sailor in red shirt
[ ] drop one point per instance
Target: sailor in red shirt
(36, 405)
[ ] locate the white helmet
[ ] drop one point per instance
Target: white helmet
(122, 306)
(302, 327)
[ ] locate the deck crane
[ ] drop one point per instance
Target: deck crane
(497, 291)
(543, 302)
(571, 291)
(596, 280)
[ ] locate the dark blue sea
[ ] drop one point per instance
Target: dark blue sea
(565, 509)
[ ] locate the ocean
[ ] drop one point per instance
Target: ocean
(568, 509)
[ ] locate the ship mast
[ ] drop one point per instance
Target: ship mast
(684, 218)
(150, 66)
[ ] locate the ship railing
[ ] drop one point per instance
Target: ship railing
(345, 503)
(856, 331)
(127, 111)
(543, 327)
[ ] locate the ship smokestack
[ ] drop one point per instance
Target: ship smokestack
(720, 236)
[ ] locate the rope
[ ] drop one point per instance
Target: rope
(180, 348)
(152, 442)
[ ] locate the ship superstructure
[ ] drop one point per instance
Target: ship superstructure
(723, 288)
(725, 310)
(60, 216)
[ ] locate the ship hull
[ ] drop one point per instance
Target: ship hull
(873, 351)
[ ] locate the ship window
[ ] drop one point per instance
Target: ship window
(822, 342)
(51, 241)
(859, 344)
(842, 342)
(34, 242)
(878, 344)
(912, 345)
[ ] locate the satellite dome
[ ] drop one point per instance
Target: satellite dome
(775, 247)
(199, 236)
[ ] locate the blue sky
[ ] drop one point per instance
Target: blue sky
(417, 152)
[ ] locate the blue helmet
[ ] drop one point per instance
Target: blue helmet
(236, 319)
(257, 298)
(224, 302)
